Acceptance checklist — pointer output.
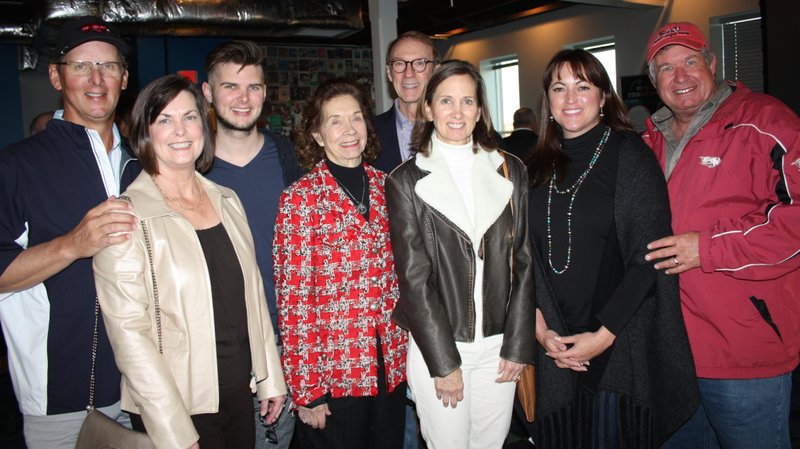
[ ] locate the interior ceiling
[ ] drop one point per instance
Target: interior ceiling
(24, 20)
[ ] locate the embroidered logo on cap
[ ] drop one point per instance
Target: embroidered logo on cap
(710, 161)
(95, 28)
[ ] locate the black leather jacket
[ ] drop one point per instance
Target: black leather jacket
(435, 264)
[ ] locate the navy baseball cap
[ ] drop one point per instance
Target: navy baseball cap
(85, 29)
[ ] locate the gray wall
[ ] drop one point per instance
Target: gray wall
(536, 39)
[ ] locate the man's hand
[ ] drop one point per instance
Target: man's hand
(106, 224)
(271, 408)
(680, 252)
(450, 388)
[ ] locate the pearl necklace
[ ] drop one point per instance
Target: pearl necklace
(360, 207)
(573, 189)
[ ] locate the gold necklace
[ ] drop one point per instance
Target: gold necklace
(177, 203)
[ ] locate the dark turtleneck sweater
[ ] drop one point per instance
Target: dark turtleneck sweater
(354, 181)
(591, 292)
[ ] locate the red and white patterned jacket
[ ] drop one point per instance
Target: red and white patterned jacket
(336, 290)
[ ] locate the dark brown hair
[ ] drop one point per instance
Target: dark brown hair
(309, 152)
(548, 158)
(482, 135)
(150, 103)
(244, 53)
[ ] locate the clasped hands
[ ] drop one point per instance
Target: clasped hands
(585, 347)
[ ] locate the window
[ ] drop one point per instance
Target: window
(740, 57)
(603, 49)
(607, 55)
(501, 76)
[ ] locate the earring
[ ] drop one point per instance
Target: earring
(551, 118)
(601, 112)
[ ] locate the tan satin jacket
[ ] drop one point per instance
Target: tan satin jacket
(166, 389)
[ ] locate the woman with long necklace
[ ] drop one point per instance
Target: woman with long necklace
(614, 367)
(336, 287)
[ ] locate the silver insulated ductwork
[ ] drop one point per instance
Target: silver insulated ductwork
(256, 18)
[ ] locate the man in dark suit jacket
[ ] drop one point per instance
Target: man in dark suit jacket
(410, 61)
(522, 141)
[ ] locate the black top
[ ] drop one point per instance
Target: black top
(354, 183)
(230, 311)
(650, 365)
(589, 293)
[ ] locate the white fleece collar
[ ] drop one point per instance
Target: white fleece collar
(491, 191)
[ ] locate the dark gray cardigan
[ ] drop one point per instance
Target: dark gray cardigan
(650, 367)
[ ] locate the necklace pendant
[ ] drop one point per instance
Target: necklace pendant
(361, 208)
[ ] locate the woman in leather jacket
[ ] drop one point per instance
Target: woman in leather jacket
(458, 219)
(182, 298)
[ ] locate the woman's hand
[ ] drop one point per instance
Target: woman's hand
(314, 417)
(509, 371)
(585, 347)
(195, 446)
(450, 388)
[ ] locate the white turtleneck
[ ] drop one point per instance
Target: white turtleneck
(460, 159)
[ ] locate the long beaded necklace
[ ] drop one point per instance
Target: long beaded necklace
(573, 189)
(190, 208)
(360, 206)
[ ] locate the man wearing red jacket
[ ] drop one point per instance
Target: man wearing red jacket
(732, 162)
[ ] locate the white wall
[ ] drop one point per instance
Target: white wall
(536, 39)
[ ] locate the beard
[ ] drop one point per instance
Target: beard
(225, 123)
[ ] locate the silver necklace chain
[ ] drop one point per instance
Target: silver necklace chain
(360, 206)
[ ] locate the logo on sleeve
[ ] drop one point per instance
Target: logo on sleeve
(797, 163)
(710, 161)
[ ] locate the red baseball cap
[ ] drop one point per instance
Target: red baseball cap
(676, 33)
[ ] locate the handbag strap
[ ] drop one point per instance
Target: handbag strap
(156, 306)
(90, 406)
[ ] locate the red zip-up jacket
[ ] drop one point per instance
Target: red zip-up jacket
(737, 183)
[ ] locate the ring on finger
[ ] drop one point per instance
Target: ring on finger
(675, 260)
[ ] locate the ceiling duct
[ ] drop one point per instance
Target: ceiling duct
(235, 18)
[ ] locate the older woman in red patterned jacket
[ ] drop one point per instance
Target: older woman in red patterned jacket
(343, 356)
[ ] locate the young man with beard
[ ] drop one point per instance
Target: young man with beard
(257, 165)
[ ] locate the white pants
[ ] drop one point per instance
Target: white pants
(482, 419)
(61, 431)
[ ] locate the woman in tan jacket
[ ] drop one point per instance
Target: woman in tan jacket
(193, 336)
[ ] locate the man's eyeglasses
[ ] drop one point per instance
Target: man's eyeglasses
(84, 68)
(400, 66)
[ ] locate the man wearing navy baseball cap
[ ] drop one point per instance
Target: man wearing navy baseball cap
(732, 162)
(58, 208)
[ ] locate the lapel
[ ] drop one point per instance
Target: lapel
(491, 191)
(344, 212)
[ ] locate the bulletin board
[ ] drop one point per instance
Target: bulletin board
(294, 72)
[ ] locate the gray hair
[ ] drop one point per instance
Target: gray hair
(651, 67)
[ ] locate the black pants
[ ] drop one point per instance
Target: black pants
(372, 422)
(230, 428)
